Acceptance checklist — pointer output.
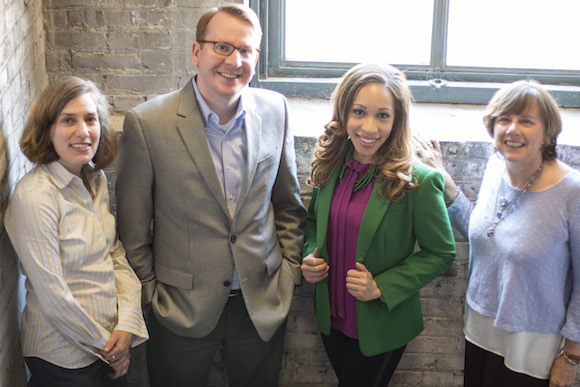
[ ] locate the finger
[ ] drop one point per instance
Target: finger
(360, 267)
(313, 261)
(436, 145)
(315, 252)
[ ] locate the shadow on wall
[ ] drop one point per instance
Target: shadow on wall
(11, 298)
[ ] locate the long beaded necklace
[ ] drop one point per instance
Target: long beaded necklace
(505, 206)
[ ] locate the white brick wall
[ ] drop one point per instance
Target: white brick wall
(22, 75)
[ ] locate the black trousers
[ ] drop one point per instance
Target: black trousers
(178, 361)
(354, 369)
(45, 374)
(486, 369)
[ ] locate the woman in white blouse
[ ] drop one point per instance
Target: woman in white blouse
(83, 302)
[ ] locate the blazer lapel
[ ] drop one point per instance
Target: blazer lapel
(372, 217)
(253, 129)
(324, 201)
(191, 128)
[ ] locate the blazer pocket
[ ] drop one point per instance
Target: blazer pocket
(274, 261)
(173, 277)
(268, 158)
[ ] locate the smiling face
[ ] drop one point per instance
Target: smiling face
(370, 121)
(76, 132)
(221, 78)
(520, 137)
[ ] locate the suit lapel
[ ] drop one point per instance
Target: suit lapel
(372, 218)
(253, 130)
(191, 128)
(324, 201)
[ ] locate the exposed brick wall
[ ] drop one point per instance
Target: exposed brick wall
(22, 75)
(133, 49)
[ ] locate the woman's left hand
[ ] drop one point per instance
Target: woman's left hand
(562, 373)
(117, 349)
(361, 285)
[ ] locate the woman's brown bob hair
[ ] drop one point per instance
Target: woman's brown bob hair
(395, 156)
(517, 98)
(36, 143)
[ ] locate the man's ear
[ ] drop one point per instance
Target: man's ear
(195, 53)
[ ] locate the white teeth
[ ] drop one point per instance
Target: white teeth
(230, 76)
(79, 145)
(366, 140)
(511, 143)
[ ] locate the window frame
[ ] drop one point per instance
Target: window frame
(436, 83)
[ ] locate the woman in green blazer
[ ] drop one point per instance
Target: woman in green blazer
(371, 204)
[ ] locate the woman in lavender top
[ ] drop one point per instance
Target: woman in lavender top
(523, 299)
(371, 204)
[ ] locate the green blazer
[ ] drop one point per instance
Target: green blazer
(386, 246)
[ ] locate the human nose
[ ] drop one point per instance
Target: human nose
(512, 125)
(368, 125)
(82, 129)
(234, 59)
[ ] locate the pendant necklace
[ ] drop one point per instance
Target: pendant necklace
(503, 207)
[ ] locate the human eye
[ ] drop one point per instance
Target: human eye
(223, 48)
(92, 120)
(384, 116)
(358, 112)
(503, 120)
(246, 51)
(67, 120)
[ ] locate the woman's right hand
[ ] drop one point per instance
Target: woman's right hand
(313, 268)
(430, 153)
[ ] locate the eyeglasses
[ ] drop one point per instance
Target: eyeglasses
(226, 49)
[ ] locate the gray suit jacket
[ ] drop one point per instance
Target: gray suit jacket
(175, 224)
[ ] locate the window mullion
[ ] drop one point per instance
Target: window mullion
(439, 37)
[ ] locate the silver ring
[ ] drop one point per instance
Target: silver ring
(113, 358)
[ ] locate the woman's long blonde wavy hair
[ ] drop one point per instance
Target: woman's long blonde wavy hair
(394, 157)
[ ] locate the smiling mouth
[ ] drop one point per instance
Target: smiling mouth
(367, 141)
(80, 146)
(514, 144)
(229, 76)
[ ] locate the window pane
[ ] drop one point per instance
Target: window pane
(383, 31)
(514, 34)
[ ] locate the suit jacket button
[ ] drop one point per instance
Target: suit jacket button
(227, 284)
(233, 239)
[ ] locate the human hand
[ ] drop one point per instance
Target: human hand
(361, 285)
(314, 269)
(429, 150)
(116, 351)
(562, 373)
(120, 367)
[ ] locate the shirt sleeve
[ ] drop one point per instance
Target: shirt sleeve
(130, 317)
(32, 223)
(571, 328)
(459, 214)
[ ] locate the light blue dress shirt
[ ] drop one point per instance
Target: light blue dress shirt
(228, 147)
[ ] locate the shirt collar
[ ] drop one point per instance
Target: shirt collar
(206, 112)
(62, 176)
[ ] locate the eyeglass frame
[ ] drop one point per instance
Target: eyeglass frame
(231, 45)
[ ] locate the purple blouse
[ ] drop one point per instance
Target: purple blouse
(346, 213)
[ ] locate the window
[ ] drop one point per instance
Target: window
(453, 51)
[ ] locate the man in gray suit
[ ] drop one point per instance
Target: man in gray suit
(210, 214)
